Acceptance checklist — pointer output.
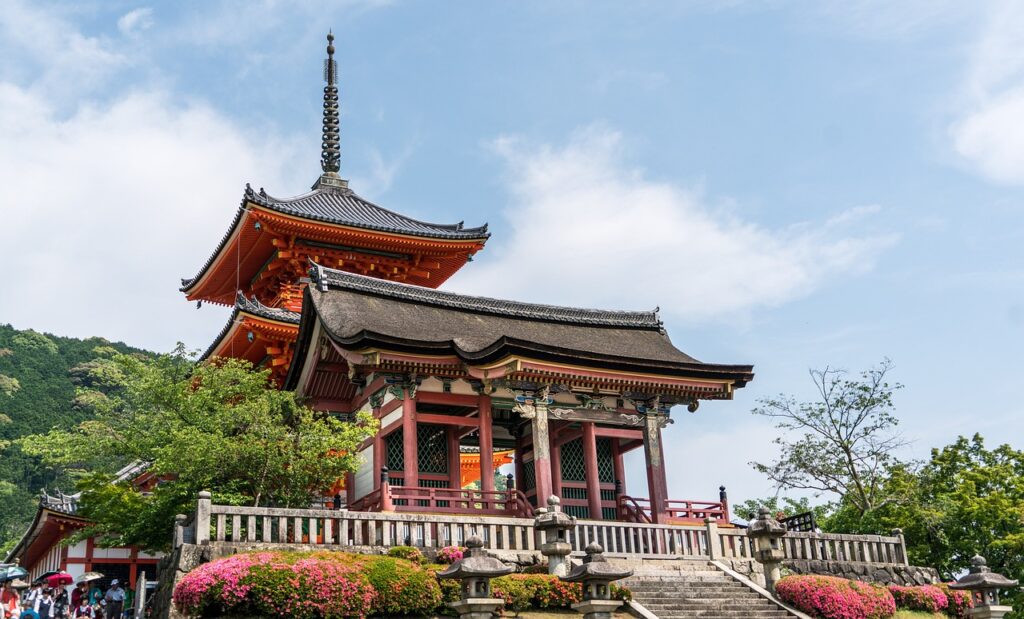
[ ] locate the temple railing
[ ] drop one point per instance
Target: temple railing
(510, 503)
(636, 509)
(324, 528)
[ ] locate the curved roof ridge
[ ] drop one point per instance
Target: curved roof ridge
(345, 206)
(253, 306)
(325, 278)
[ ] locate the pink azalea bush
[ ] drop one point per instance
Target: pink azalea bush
(959, 603)
(829, 597)
(928, 598)
(450, 554)
(273, 584)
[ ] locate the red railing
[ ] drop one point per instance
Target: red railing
(511, 503)
(635, 509)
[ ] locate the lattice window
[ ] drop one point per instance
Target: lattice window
(573, 467)
(605, 462)
(577, 511)
(432, 448)
(580, 494)
(609, 513)
(395, 451)
(529, 480)
(607, 495)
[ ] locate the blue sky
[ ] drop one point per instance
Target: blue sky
(794, 183)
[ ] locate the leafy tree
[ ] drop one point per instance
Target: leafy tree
(787, 506)
(966, 499)
(219, 426)
(845, 440)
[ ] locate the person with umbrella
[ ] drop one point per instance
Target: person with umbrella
(8, 601)
(44, 605)
(61, 604)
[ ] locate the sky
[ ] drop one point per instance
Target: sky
(794, 184)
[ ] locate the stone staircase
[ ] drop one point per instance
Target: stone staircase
(698, 589)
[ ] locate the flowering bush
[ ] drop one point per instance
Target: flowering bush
(959, 603)
(403, 587)
(928, 598)
(409, 553)
(522, 591)
(450, 554)
(836, 598)
(276, 584)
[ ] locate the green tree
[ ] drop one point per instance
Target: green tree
(787, 506)
(218, 425)
(842, 443)
(966, 499)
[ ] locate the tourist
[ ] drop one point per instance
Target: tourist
(27, 612)
(84, 609)
(44, 605)
(79, 594)
(34, 593)
(114, 599)
(9, 599)
(61, 604)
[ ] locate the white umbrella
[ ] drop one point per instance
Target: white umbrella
(88, 577)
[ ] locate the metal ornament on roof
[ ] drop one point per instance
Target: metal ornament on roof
(330, 154)
(984, 585)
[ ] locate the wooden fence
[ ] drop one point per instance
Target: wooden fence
(235, 525)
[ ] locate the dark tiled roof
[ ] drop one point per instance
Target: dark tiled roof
(254, 307)
(327, 278)
(341, 206)
(359, 311)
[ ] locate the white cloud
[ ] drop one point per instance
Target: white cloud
(135, 21)
(988, 133)
(587, 229)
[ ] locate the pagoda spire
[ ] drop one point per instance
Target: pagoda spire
(330, 147)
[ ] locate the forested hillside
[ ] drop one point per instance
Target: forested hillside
(39, 378)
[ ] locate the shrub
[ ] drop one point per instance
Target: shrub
(450, 554)
(301, 585)
(540, 568)
(959, 603)
(409, 553)
(403, 587)
(928, 598)
(522, 591)
(836, 598)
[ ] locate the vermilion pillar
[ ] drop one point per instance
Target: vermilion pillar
(556, 468)
(590, 467)
(486, 445)
(454, 458)
(620, 468)
(410, 447)
(378, 453)
(654, 456)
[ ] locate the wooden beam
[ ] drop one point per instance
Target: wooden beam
(448, 420)
(456, 399)
(620, 433)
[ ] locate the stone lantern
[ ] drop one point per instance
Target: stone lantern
(476, 570)
(595, 574)
(984, 585)
(556, 525)
(765, 534)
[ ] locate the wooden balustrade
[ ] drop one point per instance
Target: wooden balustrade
(332, 528)
(510, 503)
(636, 509)
(639, 539)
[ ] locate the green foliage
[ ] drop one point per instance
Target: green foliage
(36, 394)
(966, 499)
(409, 553)
(403, 587)
(842, 443)
(786, 506)
(216, 426)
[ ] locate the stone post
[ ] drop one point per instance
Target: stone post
(555, 524)
(475, 571)
(714, 548)
(903, 546)
(596, 574)
(765, 534)
(179, 530)
(202, 524)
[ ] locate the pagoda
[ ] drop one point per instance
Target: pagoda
(259, 268)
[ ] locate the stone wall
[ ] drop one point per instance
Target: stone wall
(869, 572)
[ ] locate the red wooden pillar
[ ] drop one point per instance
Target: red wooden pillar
(542, 453)
(556, 469)
(590, 467)
(486, 445)
(654, 456)
(454, 458)
(517, 463)
(379, 458)
(410, 447)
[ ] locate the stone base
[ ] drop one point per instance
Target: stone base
(477, 608)
(597, 609)
(990, 612)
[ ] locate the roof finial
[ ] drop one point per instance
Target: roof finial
(330, 154)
